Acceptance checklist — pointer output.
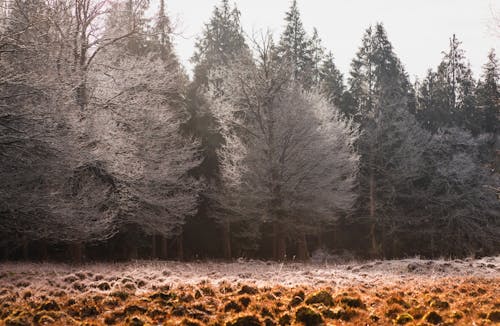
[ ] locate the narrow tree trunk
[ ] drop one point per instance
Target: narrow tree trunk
(373, 238)
(133, 251)
(154, 251)
(163, 247)
(25, 248)
(279, 242)
(180, 247)
(302, 251)
(226, 240)
(77, 252)
(43, 251)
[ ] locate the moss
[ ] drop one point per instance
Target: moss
(245, 301)
(246, 289)
(284, 320)
(245, 321)
(322, 297)
(122, 295)
(438, 304)
(135, 321)
(132, 309)
(433, 317)
(49, 305)
(398, 301)
(266, 313)
(403, 318)
(232, 306)
(494, 316)
(46, 315)
(457, 314)
(339, 313)
(269, 322)
(308, 316)
(162, 296)
(18, 318)
(352, 302)
(104, 286)
(189, 322)
(88, 311)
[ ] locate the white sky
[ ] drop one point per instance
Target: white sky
(419, 30)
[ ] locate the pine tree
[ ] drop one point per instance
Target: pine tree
(332, 83)
(297, 48)
(221, 43)
(453, 92)
(391, 142)
(488, 96)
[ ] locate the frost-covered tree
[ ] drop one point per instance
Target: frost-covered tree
(331, 83)
(298, 49)
(459, 210)
(41, 142)
(135, 129)
(392, 143)
(488, 96)
(447, 97)
(288, 159)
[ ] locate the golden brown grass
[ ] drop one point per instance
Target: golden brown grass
(441, 301)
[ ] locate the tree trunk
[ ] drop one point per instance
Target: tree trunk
(279, 242)
(43, 251)
(302, 251)
(163, 247)
(226, 239)
(77, 252)
(373, 238)
(154, 251)
(25, 248)
(133, 251)
(180, 247)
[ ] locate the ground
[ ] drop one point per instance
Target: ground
(411, 292)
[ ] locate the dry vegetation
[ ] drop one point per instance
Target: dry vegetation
(462, 292)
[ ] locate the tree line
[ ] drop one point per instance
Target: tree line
(108, 150)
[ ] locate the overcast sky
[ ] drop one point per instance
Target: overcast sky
(418, 30)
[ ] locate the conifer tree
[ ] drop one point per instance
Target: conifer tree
(391, 141)
(297, 48)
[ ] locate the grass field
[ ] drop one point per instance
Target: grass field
(411, 292)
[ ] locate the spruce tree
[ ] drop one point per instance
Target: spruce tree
(391, 143)
(297, 48)
(221, 43)
(488, 96)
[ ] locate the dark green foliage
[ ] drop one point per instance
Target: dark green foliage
(308, 316)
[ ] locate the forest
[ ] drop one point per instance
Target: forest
(110, 150)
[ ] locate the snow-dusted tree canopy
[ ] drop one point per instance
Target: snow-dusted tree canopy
(110, 149)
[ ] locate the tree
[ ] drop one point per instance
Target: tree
(391, 142)
(288, 157)
(135, 124)
(452, 87)
(460, 209)
(488, 96)
(332, 84)
(221, 43)
(297, 48)
(41, 145)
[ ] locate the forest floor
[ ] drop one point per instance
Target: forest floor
(246, 293)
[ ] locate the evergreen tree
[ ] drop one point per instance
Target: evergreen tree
(450, 93)
(391, 141)
(488, 96)
(332, 83)
(297, 48)
(221, 43)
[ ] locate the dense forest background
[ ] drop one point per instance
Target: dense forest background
(109, 151)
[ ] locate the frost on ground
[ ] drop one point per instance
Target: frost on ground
(252, 293)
